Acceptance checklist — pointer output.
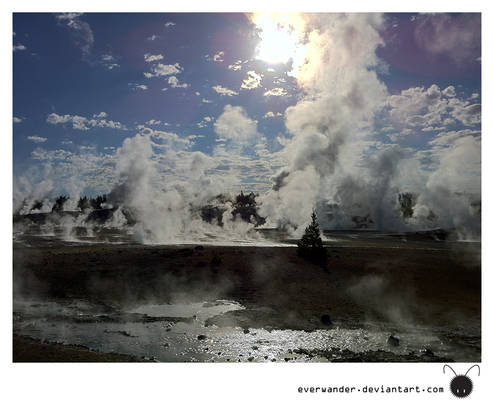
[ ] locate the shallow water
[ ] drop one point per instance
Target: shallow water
(190, 339)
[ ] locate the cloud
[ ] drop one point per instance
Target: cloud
(205, 122)
(234, 125)
(83, 123)
(467, 114)
(152, 37)
(449, 91)
(224, 91)
(102, 114)
(448, 139)
(169, 24)
(167, 139)
(109, 61)
(236, 66)
(152, 57)
(252, 81)
(430, 109)
(218, 57)
(276, 92)
(454, 36)
(17, 120)
(271, 114)
(37, 139)
(140, 87)
(206, 101)
(19, 47)
(174, 83)
(153, 122)
(71, 172)
(164, 70)
(81, 31)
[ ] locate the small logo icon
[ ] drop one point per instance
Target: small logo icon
(461, 385)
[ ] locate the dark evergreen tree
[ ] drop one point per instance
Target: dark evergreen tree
(59, 202)
(245, 205)
(310, 245)
(407, 201)
(97, 202)
(83, 203)
(37, 205)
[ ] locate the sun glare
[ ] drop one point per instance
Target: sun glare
(281, 41)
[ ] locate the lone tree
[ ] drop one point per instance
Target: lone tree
(310, 245)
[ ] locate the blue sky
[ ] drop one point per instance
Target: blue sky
(83, 83)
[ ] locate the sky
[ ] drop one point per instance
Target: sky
(248, 102)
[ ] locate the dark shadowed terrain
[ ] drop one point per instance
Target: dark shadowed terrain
(207, 303)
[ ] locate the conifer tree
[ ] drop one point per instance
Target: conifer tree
(310, 245)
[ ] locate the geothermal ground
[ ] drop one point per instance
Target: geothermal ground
(130, 302)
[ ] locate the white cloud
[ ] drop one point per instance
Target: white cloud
(169, 24)
(164, 70)
(174, 83)
(252, 81)
(234, 124)
(152, 57)
(236, 66)
(167, 139)
(447, 139)
(224, 91)
(449, 91)
(218, 57)
(37, 139)
(83, 123)
(137, 86)
(271, 114)
(152, 37)
(206, 101)
(102, 114)
(276, 92)
(19, 47)
(455, 37)
(430, 109)
(468, 114)
(109, 61)
(17, 120)
(83, 34)
(205, 122)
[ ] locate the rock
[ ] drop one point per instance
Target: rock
(326, 319)
(250, 359)
(246, 331)
(428, 352)
(393, 341)
(255, 347)
(201, 337)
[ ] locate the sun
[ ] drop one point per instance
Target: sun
(281, 37)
